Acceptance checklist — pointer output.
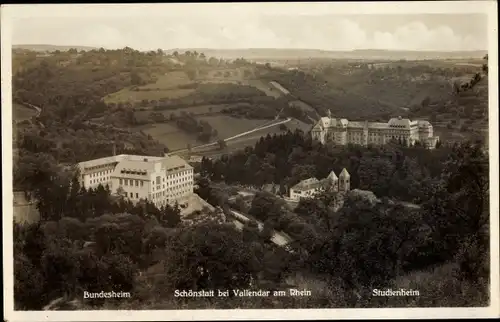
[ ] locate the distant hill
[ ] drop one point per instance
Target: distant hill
(273, 54)
(52, 47)
(263, 54)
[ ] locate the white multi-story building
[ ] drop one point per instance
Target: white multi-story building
(161, 180)
(343, 132)
(309, 187)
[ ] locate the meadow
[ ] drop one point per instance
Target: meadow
(169, 135)
(226, 126)
(169, 85)
(200, 109)
(240, 143)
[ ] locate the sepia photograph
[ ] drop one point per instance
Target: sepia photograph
(220, 161)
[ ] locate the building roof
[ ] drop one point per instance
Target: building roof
(356, 124)
(378, 125)
(134, 169)
(138, 166)
(142, 158)
(117, 158)
(327, 122)
(424, 124)
(175, 162)
(344, 174)
(101, 161)
(343, 122)
(317, 127)
(307, 184)
(399, 122)
(332, 176)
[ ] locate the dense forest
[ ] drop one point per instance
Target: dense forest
(392, 170)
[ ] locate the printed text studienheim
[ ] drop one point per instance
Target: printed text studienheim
(399, 292)
(105, 295)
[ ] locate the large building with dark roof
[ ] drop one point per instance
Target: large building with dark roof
(343, 132)
(161, 180)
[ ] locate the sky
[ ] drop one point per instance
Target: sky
(169, 27)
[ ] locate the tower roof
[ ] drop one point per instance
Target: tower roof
(344, 173)
(332, 176)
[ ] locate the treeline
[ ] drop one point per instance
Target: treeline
(285, 159)
(202, 129)
(252, 111)
(212, 94)
(261, 107)
(269, 107)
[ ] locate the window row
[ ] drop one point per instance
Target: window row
(131, 195)
(174, 187)
(100, 173)
(99, 180)
(130, 182)
(180, 174)
(157, 195)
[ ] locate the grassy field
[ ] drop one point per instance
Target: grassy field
(169, 135)
(298, 125)
(249, 140)
(237, 76)
(167, 86)
(201, 109)
(21, 112)
(228, 126)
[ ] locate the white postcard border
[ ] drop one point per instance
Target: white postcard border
(9, 12)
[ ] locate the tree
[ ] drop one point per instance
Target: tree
(426, 101)
(227, 261)
(136, 79)
(191, 73)
(456, 209)
(222, 144)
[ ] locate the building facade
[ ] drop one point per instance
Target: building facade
(343, 132)
(161, 180)
(309, 187)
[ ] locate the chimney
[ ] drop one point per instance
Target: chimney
(114, 149)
